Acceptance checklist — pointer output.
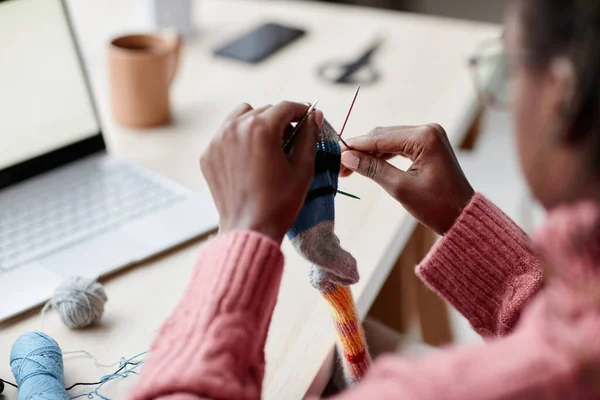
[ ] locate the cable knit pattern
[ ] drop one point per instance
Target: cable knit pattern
(212, 345)
(484, 266)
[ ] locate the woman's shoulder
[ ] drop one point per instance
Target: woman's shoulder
(569, 246)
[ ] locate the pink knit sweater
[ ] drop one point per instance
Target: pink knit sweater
(212, 346)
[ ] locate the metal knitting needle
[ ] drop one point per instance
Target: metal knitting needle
(347, 117)
(299, 125)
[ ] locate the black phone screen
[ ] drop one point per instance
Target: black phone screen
(260, 42)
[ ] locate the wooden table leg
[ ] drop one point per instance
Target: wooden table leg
(396, 304)
(432, 310)
(405, 304)
(470, 140)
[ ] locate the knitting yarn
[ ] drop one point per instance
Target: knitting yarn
(332, 268)
(37, 365)
(313, 233)
(79, 302)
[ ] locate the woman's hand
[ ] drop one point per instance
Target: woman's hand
(434, 189)
(254, 184)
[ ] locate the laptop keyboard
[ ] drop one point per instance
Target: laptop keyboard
(81, 203)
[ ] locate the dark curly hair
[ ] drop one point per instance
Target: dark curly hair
(569, 28)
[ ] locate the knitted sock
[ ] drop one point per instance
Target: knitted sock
(351, 337)
(332, 268)
(313, 232)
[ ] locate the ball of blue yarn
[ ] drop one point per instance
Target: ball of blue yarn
(37, 364)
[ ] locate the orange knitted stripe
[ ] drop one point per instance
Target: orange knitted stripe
(341, 304)
(349, 331)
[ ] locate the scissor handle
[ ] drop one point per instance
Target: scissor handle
(346, 73)
(364, 59)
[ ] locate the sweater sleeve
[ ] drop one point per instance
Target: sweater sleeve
(521, 366)
(212, 345)
(485, 266)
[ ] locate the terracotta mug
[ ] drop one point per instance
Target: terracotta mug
(141, 69)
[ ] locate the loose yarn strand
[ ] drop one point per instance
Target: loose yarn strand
(90, 355)
(9, 383)
(121, 373)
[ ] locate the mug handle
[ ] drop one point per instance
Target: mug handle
(174, 41)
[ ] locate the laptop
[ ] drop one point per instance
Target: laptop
(66, 206)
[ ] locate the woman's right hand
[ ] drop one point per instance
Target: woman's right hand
(434, 189)
(254, 183)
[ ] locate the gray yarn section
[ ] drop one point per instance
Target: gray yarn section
(330, 263)
(328, 133)
(79, 302)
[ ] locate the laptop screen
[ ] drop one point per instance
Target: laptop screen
(45, 103)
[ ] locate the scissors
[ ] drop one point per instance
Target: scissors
(359, 71)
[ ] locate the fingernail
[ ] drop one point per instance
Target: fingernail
(349, 160)
(319, 118)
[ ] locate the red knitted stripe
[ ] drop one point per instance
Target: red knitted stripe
(356, 359)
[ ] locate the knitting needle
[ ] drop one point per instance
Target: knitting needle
(347, 117)
(344, 142)
(348, 195)
(299, 124)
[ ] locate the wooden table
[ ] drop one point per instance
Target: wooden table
(425, 79)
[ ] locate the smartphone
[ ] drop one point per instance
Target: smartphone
(260, 43)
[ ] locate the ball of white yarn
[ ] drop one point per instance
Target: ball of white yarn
(79, 302)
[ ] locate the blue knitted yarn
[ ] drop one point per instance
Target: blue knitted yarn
(37, 364)
(318, 209)
(319, 205)
(313, 233)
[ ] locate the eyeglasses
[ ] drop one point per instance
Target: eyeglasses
(490, 71)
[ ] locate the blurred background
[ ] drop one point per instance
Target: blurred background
(488, 10)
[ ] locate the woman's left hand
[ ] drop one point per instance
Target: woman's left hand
(254, 184)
